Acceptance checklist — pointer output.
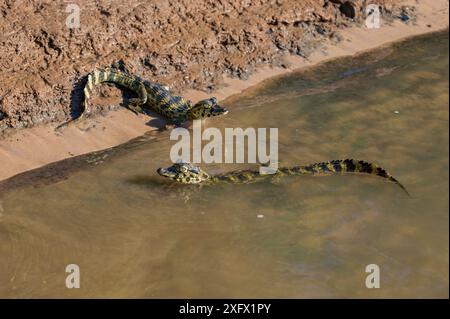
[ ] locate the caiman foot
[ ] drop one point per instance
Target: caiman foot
(135, 107)
(173, 124)
(178, 122)
(120, 65)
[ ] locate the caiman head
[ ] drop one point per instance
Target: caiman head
(184, 173)
(206, 108)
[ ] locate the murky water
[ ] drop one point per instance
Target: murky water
(135, 235)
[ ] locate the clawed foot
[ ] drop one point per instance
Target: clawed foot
(174, 124)
(135, 107)
(120, 65)
(169, 126)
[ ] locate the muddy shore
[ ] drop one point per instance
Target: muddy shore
(48, 47)
(217, 50)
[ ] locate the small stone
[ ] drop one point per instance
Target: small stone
(260, 216)
(396, 112)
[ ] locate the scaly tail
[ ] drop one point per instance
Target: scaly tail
(341, 166)
(112, 76)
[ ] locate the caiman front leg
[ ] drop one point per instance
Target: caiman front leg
(136, 104)
(134, 107)
(175, 122)
(168, 125)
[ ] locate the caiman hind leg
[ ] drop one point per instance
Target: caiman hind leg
(120, 66)
(85, 105)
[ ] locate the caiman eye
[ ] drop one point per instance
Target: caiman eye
(195, 170)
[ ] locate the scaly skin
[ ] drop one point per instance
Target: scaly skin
(152, 96)
(186, 173)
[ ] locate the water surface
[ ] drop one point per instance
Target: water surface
(136, 235)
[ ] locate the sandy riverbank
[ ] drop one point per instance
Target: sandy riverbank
(34, 147)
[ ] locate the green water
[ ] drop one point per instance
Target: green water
(135, 235)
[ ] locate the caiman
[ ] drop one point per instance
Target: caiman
(186, 173)
(149, 95)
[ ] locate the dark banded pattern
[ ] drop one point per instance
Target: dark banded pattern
(173, 107)
(342, 166)
(185, 173)
(114, 76)
(110, 75)
(153, 95)
(238, 177)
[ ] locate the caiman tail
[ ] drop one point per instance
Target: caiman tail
(112, 76)
(341, 166)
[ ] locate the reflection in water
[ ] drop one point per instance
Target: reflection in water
(134, 234)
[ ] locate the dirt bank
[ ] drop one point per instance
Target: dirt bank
(188, 45)
(183, 44)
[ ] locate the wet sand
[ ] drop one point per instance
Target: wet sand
(31, 148)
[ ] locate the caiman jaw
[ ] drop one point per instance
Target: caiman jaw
(219, 111)
(167, 172)
(206, 108)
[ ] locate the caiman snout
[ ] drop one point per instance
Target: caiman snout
(170, 172)
(164, 172)
(218, 110)
(224, 111)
